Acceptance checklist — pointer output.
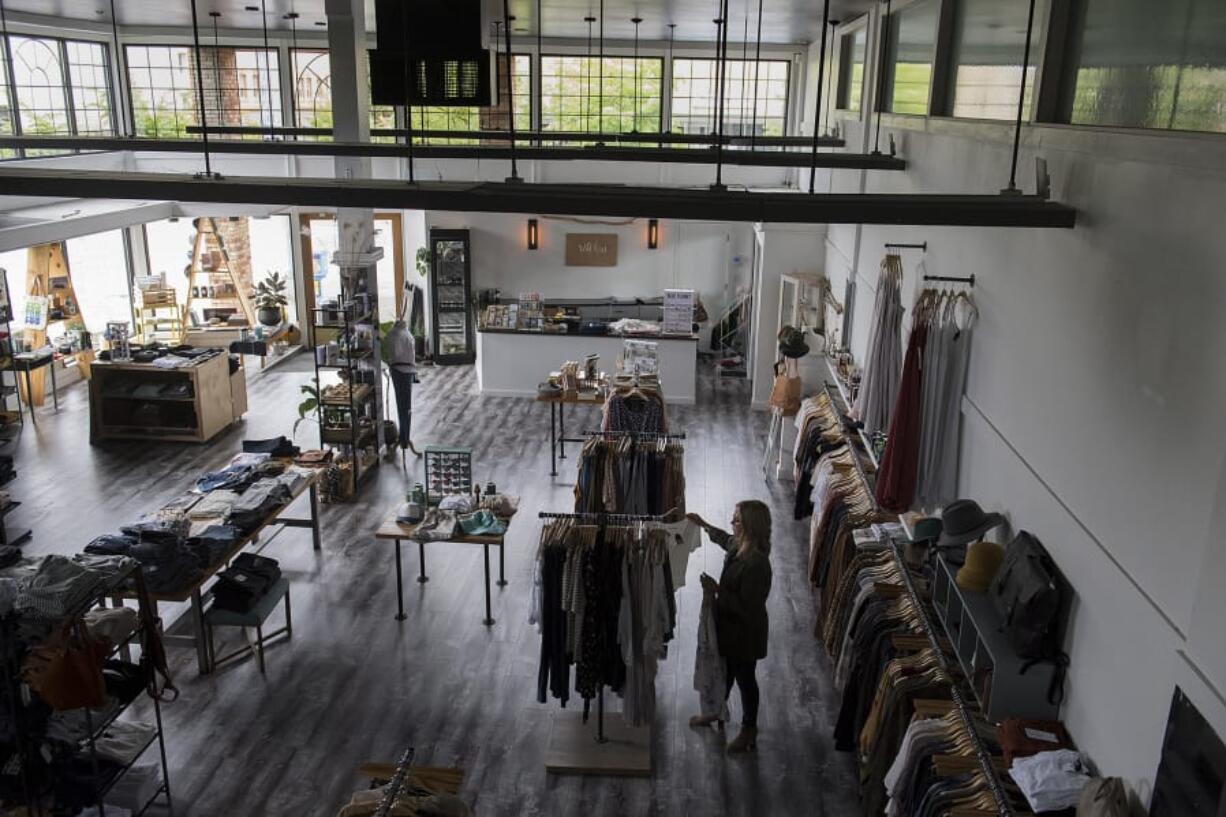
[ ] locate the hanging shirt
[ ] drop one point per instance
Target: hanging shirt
(684, 538)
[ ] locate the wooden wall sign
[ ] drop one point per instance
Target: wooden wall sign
(591, 249)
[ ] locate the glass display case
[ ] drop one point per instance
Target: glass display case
(451, 297)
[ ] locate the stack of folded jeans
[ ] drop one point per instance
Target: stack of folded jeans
(279, 447)
(212, 544)
(240, 586)
(168, 565)
(112, 544)
(215, 505)
(160, 526)
(257, 504)
(234, 477)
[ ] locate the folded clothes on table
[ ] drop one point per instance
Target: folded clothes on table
(234, 477)
(215, 505)
(280, 447)
(482, 523)
(241, 586)
(213, 543)
(114, 624)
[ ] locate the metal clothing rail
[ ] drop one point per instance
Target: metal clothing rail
(970, 280)
(851, 444)
(602, 516)
(922, 246)
(396, 783)
(1003, 806)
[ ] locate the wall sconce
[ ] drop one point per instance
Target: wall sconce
(534, 235)
(653, 234)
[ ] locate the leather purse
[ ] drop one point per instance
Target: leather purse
(66, 669)
(785, 393)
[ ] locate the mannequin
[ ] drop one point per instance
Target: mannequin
(402, 364)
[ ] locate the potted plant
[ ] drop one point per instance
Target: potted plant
(270, 299)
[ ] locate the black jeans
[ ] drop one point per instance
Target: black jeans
(744, 674)
(402, 384)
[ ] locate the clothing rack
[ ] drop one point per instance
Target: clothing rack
(603, 519)
(653, 435)
(1003, 807)
(396, 783)
(831, 391)
(970, 280)
(922, 247)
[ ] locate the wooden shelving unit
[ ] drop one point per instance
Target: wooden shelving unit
(159, 316)
(48, 275)
(213, 290)
(212, 402)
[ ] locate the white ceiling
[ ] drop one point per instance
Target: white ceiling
(783, 21)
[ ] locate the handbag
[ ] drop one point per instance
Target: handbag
(66, 669)
(785, 393)
(1103, 797)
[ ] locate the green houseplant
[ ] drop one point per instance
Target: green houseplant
(270, 299)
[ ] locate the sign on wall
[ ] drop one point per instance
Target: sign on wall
(591, 249)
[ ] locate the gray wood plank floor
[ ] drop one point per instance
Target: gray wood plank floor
(355, 685)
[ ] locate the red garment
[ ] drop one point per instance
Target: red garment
(896, 481)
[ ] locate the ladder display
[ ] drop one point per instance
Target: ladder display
(214, 293)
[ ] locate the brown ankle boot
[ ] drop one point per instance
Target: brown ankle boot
(745, 741)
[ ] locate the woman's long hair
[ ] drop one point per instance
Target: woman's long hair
(756, 525)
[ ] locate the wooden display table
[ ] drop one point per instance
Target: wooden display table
(397, 532)
(212, 401)
(194, 592)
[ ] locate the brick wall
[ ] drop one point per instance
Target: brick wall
(237, 238)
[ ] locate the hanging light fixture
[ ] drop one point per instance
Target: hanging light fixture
(653, 234)
(534, 234)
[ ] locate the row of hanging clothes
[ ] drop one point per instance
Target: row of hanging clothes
(919, 467)
(899, 712)
(634, 404)
(632, 473)
(879, 378)
(603, 602)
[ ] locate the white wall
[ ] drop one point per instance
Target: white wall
(1094, 398)
(692, 255)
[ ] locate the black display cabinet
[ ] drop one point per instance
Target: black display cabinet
(452, 327)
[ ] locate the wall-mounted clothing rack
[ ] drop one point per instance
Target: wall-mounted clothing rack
(650, 435)
(833, 393)
(922, 246)
(396, 783)
(1003, 807)
(970, 280)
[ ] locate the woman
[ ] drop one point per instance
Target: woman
(740, 608)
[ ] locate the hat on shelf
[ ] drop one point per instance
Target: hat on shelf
(923, 534)
(964, 521)
(983, 559)
(548, 389)
(792, 342)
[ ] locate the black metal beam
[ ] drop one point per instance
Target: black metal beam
(578, 200)
(700, 156)
(705, 139)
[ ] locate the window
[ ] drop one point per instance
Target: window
(240, 88)
(162, 87)
(912, 52)
(1143, 66)
(694, 103)
(89, 78)
(851, 69)
(989, 36)
(312, 88)
(38, 74)
(6, 104)
(488, 118)
(99, 265)
(571, 97)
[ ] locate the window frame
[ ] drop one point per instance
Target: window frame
(787, 87)
(890, 57)
(948, 68)
(665, 92)
(9, 78)
(841, 64)
(274, 82)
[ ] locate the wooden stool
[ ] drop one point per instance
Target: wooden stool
(254, 618)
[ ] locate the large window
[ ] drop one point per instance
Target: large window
(912, 52)
(312, 88)
(240, 88)
(852, 51)
(989, 37)
(62, 86)
(572, 99)
(1144, 65)
(488, 118)
(7, 115)
(694, 96)
(99, 265)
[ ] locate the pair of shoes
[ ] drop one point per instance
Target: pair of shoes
(745, 741)
(698, 721)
